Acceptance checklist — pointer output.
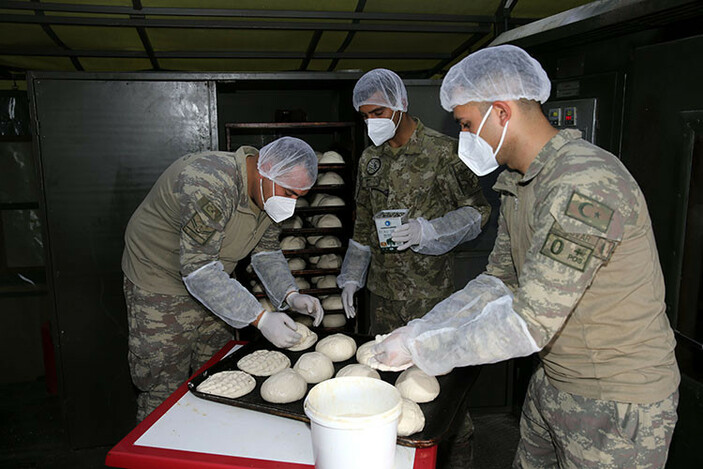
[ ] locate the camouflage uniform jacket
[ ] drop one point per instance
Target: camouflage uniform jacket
(198, 211)
(425, 176)
(575, 242)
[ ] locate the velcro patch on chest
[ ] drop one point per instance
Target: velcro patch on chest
(589, 211)
(373, 166)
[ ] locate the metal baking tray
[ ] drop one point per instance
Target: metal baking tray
(439, 413)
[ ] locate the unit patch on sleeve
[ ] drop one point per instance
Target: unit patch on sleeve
(210, 209)
(589, 211)
(197, 229)
(575, 250)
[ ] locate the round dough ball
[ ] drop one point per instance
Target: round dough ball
(416, 385)
(332, 302)
(301, 202)
(334, 320)
(314, 367)
(313, 239)
(338, 347)
(307, 337)
(331, 157)
(327, 281)
(356, 369)
(328, 242)
(302, 283)
(257, 288)
(314, 260)
(329, 178)
(318, 154)
(232, 384)
(266, 304)
(290, 243)
(332, 201)
(328, 220)
(292, 223)
(329, 261)
(263, 362)
(412, 420)
(284, 387)
(296, 263)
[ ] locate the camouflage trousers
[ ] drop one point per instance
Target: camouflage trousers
(170, 336)
(392, 314)
(563, 430)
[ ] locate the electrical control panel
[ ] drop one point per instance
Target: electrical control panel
(577, 114)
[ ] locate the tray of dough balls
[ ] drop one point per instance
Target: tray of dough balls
(261, 377)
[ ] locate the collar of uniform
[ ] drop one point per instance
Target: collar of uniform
(245, 204)
(509, 179)
(413, 145)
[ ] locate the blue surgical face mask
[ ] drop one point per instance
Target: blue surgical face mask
(277, 207)
(476, 153)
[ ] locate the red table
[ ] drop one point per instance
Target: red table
(188, 432)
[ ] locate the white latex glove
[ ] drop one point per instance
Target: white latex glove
(407, 235)
(306, 304)
(392, 351)
(348, 300)
(279, 329)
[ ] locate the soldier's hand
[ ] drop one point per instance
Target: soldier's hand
(407, 235)
(348, 300)
(279, 329)
(306, 304)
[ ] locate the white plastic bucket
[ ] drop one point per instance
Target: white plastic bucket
(354, 423)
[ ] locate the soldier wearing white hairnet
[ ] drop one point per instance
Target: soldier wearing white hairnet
(409, 166)
(206, 212)
(413, 167)
(574, 276)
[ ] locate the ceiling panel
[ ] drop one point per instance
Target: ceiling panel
(219, 40)
(87, 38)
(233, 65)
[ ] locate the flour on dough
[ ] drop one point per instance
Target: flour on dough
(283, 387)
(416, 385)
(232, 384)
(338, 347)
(314, 367)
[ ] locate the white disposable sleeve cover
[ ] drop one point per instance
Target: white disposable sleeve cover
(475, 325)
(442, 234)
(355, 265)
(223, 295)
(274, 273)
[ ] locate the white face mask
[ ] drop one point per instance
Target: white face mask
(277, 207)
(382, 129)
(476, 153)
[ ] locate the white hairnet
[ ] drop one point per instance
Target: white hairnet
(494, 74)
(289, 162)
(382, 87)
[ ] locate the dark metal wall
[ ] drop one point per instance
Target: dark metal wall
(101, 145)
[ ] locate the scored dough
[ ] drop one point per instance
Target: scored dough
(327, 281)
(356, 369)
(292, 223)
(416, 385)
(327, 220)
(290, 243)
(328, 242)
(329, 178)
(232, 384)
(412, 420)
(263, 362)
(283, 387)
(314, 367)
(307, 338)
(296, 263)
(331, 157)
(329, 261)
(338, 347)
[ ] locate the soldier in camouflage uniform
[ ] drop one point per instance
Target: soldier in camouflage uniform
(409, 167)
(206, 212)
(574, 275)
(415, 168)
